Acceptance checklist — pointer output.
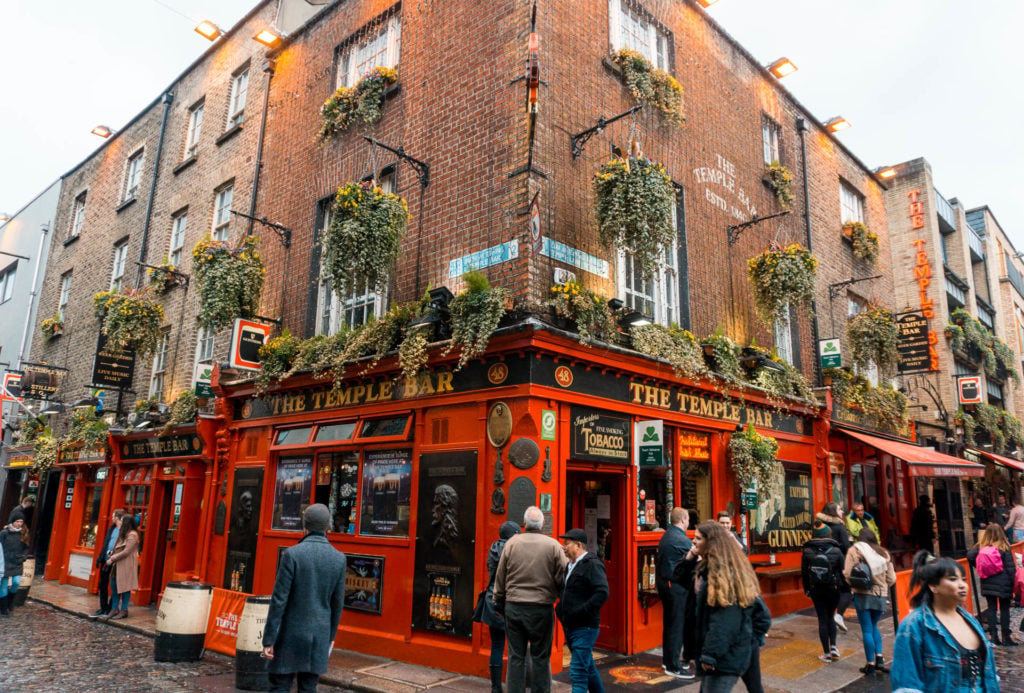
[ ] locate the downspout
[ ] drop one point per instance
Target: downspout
(32, 295)
(167, 100)
(268, 67)
(802, 128)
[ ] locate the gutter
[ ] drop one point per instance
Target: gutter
(168, 99)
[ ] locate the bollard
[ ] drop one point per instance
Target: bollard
(250, 667)
(181, 622)
(28, 571)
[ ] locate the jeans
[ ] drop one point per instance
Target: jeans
(582, 670)
(13, 580)
(717, 683)
(872, 637)
(752, 676)
(282, 683)
(673, 600)
(825, 602)
(497, 646)
(533, 625)
(1004, 616)
(118, 600)
(1018, 535)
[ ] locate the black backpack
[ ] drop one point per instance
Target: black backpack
(860, 577)
(819, 572)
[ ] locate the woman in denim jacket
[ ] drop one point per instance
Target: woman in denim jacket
(939, 646)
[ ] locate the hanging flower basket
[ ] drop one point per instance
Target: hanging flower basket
(46, 451)
(362, 103)
(51, 327)
(361, 245)
(635, 205)
(651, 85)
(779, 276)
(754, 458)
(872, 335)
(780, 181)
(230, 280)
(162, 278)
(475, 314)
(721, 355)
(864, 241)
(587, 309)
(672, 344)
(130, 320)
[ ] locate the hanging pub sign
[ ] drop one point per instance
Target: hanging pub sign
(599, 437)
(246, 339)
(39, 381)
(201, 378)
(178, 445)
(650, 443)
(969, 389)
(913, 342)
(112, 368)
(829, 353)
(12, 387)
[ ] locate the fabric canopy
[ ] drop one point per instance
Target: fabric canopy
(921, 461)
(1009, 462)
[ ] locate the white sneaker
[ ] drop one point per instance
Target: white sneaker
(841, 623)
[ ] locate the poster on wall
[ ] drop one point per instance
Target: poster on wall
(246, 492)
(784, 515)
(292, 491)
(364, 583)
(443, 597)
(387, 486)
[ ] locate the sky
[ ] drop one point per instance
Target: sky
(933, 78)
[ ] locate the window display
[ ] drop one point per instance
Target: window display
(387, 485)
(337, 488)
(292, 491)
(91, 516)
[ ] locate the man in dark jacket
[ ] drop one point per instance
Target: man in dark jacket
(107, 548)
(672, 548)
(922, 529)
(305, 607)
(579, 609)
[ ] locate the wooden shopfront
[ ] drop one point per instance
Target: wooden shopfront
(420, 474)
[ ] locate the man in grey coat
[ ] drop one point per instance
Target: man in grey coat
(305, 608)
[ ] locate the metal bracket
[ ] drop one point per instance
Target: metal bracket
(276, 321)
(180, 275)
(578, 140)
(737, 229)
(284, 234)
(422, 167)
(834, 289)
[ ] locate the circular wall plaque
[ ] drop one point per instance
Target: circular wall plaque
(499, 424)
(524, 453)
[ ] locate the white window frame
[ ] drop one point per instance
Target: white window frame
(7, 276)
(657, 297)
(205, 345)
(179, 226)
(771, 135)
(158, 377)
(236, 100)
(65, 295)
(629, 28)
(223, 198)
(851, 203)
(78, 216)
(117, 269)
(871, 371)
(379, 48)
(195, 128)
(783, 329)
(133, 175)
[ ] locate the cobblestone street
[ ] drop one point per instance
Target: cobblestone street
(46, 650)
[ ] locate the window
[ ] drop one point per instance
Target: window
(179, 222)
(851, 203)
(7, 282)
(77, 217)
(784, 335)
(93, 498)
(65, 295)
(135, 485)
(157, 380)
(132, 176)
(995, 394)
(770, 132)
(871, 371)
(204, 345)
(117, 274)
(378, 47)
(337, 487)
(222, 212)
(657, 297)
(631, 29)
(195, 126)
(236, 103)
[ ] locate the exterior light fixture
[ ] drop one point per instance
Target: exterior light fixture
(267, 38)
(782, 67)
(208, 30)
(836, 124)
(887, 172)
(102, 131)
(707, 3)
(634, 318)
(52, 408)
(4, 216)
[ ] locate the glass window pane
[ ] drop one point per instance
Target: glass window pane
(87, 532)
(376, 428)
(338, 487)
(293, 436)
(338, 431)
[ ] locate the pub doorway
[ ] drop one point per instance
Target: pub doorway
(595, 502)
(949, 517)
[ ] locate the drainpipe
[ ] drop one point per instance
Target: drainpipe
(802, 128)
(268, 67)
(32, 295)
(167, 101)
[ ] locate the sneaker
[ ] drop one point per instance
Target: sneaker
(688, 669)
(99, 613)
(841, 623)
(123, 613)
(867, 669)
(676, 673)
(827, 658)
(835, 653)
(110, 614)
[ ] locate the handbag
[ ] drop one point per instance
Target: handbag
(481, 607)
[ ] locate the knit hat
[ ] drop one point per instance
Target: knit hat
(508, 529)
(316, 518)
(821, 530)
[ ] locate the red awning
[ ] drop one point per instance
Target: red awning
(1009, 462)
(921, 461)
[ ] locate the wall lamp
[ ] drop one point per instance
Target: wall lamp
(782, 67)
(268, 38)
(102, 131)
(4, 216)
(52, 408)
(836, 124)
(208, 30)
(885, 172)
(627, 319)
(436, 316)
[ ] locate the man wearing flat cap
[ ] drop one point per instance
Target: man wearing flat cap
(579, 610)
(305, 608)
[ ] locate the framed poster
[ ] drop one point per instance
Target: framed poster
(364, 583)
(784, 515)
(387, 484)
(292, 490)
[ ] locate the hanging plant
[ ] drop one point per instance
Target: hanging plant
(779, 276)
(650, 84)
(475, 314)
(361, 245)
(782, 382)
(635, 206)
(888, 406)
(276, 358)
(162, 278)
(780, 180)
(183, 409)
(969, 424)
(754, 458)
(672, 344)
(865, 241)
(722, 355)
(586, 308)
(974, 340)
(413, 354)
(872, 335)
(51, 327)
(990, 420)
(230, 280)
(31, 429)
(145, 405)
(1005, 359)
(46, 451)
(362, 103)
(1013, 429)
(129, 320)
(87, 428)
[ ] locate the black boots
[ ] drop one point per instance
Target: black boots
(880, 664)
(496, 679)
(7, 605)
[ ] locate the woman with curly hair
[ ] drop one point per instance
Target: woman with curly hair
(730, 616)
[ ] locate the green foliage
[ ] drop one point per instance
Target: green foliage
(31, 428)
(362, 103)
(672, 344)
(162, 278)
(788, 382)
(183, 409)
(990, 420)
(651, 85)
(230, 280)
(968, 335)
(865, 241)
(589, 310)
(969, 423)
(475, 314)
(46, 451)
(887, 405)
(779, 276)
(725, 356)
(276, 358)
(144, 405)
(780, 180)
(872, 335)
(130, 320)
(754, 458)
(85, 427)
(51, 327)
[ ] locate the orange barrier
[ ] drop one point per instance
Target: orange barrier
(222, 628)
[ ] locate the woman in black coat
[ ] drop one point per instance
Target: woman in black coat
(832, 515)
(494, 623)
(14, 553)
(997, 589)
(821, 572)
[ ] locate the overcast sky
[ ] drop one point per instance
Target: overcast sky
(933, 78)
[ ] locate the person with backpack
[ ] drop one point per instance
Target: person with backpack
(821, 572)
(870, 572)
(832, 515)
(993, 561)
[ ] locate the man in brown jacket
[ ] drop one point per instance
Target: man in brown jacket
(526, 585)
